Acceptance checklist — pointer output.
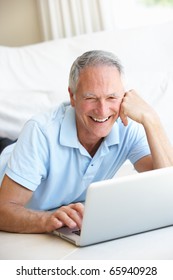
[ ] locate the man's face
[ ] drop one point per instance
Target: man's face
(97, 102)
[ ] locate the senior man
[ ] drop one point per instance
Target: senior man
(60, 152)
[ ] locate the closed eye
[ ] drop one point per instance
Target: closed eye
(117, 98)
(86, 98)
(112, 97)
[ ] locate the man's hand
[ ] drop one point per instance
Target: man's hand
(70, 215)
(14, 217)
(134, 107)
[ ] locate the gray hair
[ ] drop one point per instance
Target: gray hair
(92, 58)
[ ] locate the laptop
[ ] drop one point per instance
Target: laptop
(124, 206)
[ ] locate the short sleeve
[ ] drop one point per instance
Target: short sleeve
(139, 144)
(28, 163)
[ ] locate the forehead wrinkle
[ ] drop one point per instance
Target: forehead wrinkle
(99, 81)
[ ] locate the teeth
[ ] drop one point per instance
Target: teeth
(100, 120)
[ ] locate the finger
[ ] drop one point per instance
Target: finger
(66, 218)
(124, 119)
(123, 116)
(56, 223)
(79, 207)
(71, 215)
(53, 223)
(76, 213)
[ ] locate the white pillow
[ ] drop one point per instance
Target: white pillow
(35, 77)
(164, 105)
(16, 107)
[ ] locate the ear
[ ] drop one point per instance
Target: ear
(72, 99)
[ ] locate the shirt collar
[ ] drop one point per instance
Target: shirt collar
(68, 135)
(113, 136)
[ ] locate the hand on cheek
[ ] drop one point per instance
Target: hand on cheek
(123, 117)
(122, 114)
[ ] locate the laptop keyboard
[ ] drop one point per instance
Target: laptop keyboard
(77, 231)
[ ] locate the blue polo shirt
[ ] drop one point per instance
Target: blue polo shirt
(49, 160)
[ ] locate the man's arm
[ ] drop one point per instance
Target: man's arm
(14, 217)
(134, 107)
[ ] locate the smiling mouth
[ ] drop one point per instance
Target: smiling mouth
(100, 120)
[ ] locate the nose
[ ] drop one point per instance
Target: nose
(102, 108)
